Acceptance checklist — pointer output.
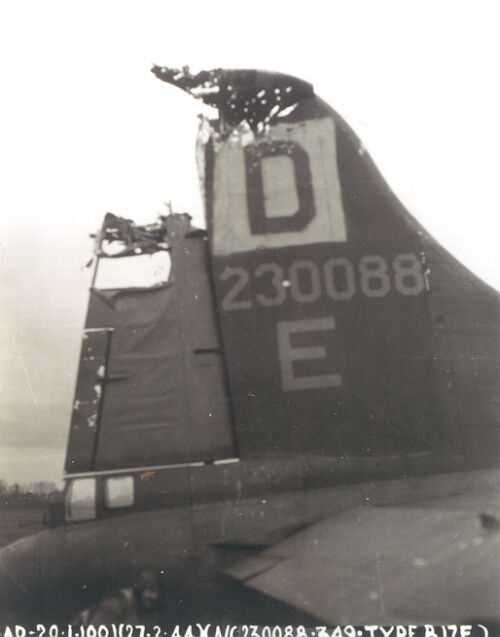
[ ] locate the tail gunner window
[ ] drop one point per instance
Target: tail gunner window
(80, 500)
(119, 492)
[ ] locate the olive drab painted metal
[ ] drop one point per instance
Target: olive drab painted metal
(157, 406)
(302, 403)
(323, 296)
(319, 318)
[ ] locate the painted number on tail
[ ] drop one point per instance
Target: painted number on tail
(291, 354)
(305, 281)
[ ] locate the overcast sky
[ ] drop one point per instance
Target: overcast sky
(85, 128)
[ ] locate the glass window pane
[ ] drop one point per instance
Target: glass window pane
(80, 500)
(119, 492)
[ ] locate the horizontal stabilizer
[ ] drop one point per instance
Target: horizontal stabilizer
(385, 566)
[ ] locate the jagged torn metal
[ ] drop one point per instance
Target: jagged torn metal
(256, 97)
(121, 237)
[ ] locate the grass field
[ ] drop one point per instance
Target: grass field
(17, 522)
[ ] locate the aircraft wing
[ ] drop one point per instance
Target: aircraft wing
(386, 565)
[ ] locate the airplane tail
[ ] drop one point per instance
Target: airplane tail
(318, 317)
(347, 330)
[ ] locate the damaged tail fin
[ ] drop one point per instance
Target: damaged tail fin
(346, 329)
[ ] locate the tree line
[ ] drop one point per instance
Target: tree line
(29, 491)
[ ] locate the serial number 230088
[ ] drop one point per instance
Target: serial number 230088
(305, 281)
